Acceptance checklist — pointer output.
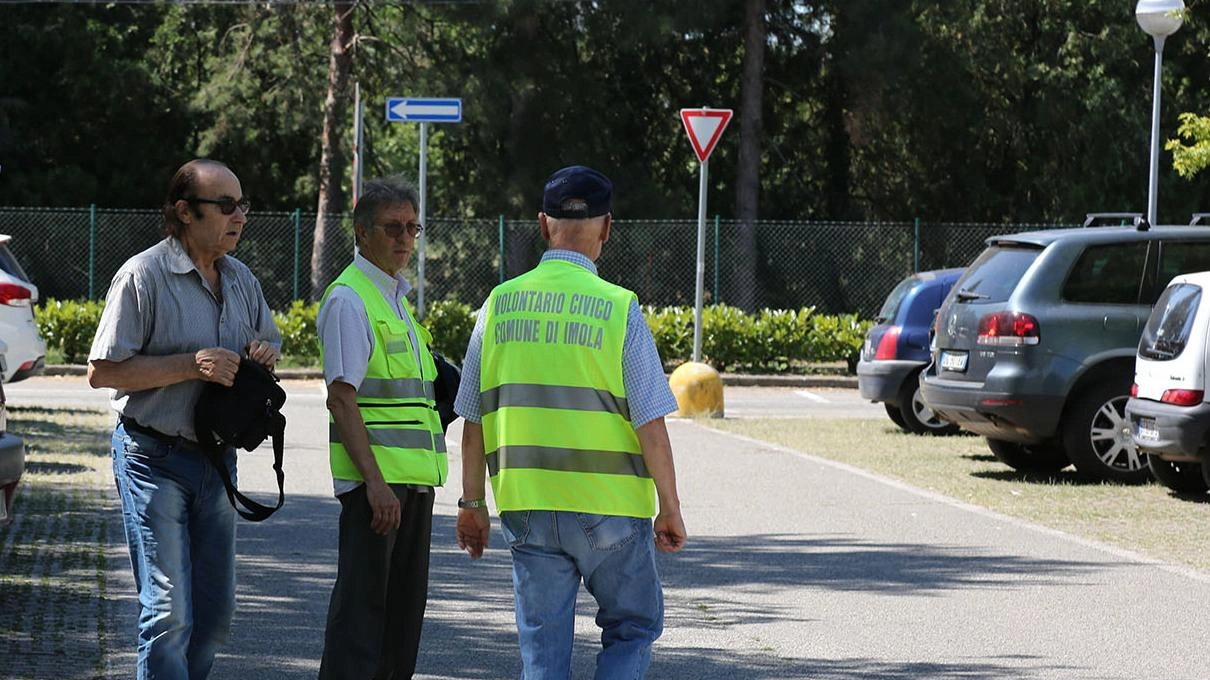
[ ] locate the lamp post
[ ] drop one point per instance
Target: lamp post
(1159, 19)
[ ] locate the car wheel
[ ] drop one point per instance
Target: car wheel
(896, 416)
(1183, 476)
(918, 417)
(1028, 457)
(1097, 437)
(1205, 466)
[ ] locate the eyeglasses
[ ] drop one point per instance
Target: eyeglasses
(226, 205)
(396, 229)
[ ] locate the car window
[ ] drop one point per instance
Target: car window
(891, 307)
(1171, 322)
(1107, 274)
(1182, 257)
(10, 265)
(995, 273)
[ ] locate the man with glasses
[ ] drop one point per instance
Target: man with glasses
(386, 444)
(177, 315)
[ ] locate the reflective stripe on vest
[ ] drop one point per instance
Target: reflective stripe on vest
(566, 460)
(395, 437)
(396, 398)
(553, 396)
(396, 388)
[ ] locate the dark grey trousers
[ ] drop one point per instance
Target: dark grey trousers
(377, 606)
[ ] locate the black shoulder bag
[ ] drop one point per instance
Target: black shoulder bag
(445, 387)
(243, 416)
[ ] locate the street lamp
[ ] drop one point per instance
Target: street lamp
(1159, 19)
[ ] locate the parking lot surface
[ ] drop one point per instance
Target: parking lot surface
(796, 567)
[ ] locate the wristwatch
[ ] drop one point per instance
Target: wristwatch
(477, 503)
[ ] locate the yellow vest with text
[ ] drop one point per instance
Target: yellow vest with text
(556, 424)
(396, 399)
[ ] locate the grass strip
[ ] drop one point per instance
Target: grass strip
(53, 564)
(1148, 519)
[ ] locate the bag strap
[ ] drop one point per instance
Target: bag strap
(255, 512)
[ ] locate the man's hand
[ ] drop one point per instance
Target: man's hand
(216, 364)
(669, 531)
(263, 353)
(474, 527)
(385, 507)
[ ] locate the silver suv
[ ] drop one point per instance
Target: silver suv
(1034, 347)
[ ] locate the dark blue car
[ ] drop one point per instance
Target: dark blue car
(896, 350)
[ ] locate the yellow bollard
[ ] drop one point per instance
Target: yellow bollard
(698, 390)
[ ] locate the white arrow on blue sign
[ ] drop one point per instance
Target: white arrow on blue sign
(412, 110)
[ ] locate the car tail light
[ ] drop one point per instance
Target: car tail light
(888, 344)
(15, 295)
(1134, 389)
(1183, 397)
(1011, 329)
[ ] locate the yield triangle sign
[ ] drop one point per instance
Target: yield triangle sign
(705, 126)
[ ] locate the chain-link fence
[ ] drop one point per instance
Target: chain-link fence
(837, 267)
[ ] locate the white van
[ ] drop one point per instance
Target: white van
(1168, 411)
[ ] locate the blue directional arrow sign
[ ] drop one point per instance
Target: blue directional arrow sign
(413, 110)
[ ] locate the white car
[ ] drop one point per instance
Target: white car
(12, 458)
(26, 349)
(1168, 411)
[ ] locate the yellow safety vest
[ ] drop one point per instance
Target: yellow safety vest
(396, 399)
(556, 423)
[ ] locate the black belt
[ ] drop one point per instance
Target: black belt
(131, 425)
(251, 510)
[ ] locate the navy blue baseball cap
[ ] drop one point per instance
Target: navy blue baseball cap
(577, 192)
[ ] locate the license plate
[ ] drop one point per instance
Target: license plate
(953, 361)
(1146, 430)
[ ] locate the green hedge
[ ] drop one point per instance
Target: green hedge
(770, 341)
(451, 324)
(69, 326)
(299, 338)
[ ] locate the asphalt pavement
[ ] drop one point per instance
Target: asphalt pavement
(796, 567)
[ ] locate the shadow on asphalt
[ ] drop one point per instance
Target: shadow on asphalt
(713, 664)
(843, 564)
(286, 567)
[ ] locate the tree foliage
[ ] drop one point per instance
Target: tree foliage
(999, 110)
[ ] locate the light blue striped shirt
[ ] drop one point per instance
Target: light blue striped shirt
(647, 390)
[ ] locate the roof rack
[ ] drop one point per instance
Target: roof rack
(1136, 219)
(1197, 218)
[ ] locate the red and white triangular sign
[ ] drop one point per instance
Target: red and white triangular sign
(705, 126)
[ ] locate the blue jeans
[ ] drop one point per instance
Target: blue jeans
(615, 557)
(180, 529)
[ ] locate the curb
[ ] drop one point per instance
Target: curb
(737, 379)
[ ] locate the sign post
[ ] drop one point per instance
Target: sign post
(423, 111)
(704, 126)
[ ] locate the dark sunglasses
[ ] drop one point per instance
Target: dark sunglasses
(396, 229)
(225, 205)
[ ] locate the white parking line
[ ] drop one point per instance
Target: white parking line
(812, 396)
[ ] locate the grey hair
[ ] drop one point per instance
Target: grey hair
(380, 193)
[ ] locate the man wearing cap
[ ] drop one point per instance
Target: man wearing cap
(564, 397)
